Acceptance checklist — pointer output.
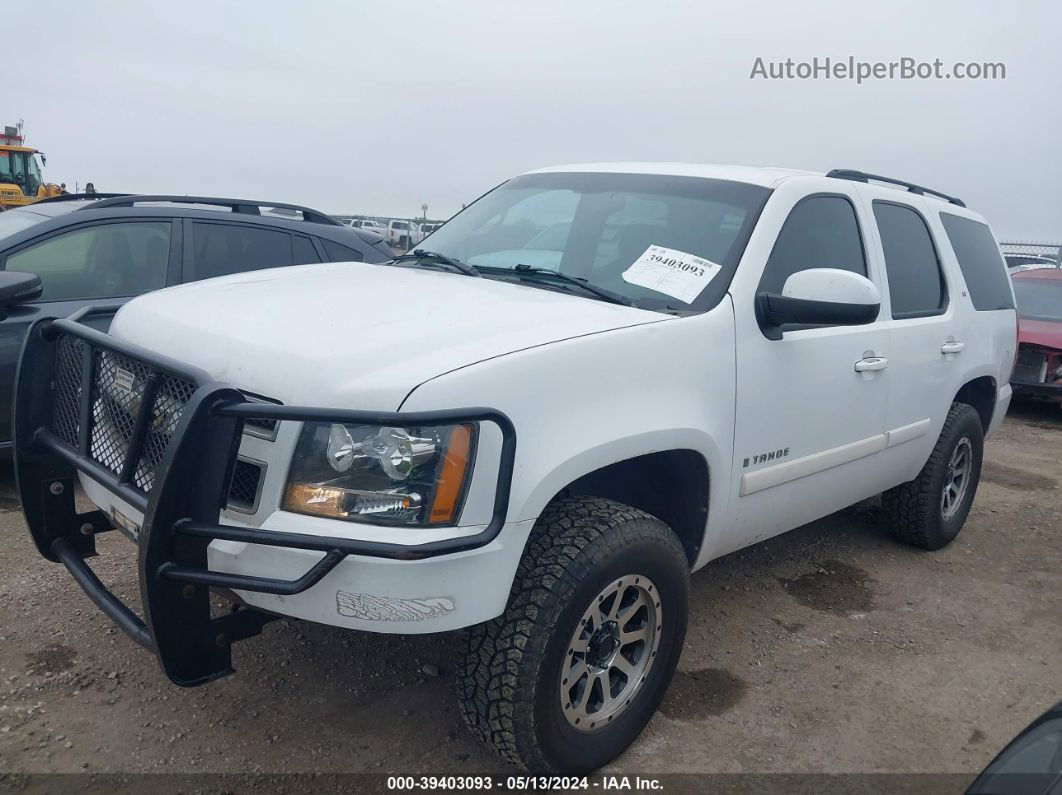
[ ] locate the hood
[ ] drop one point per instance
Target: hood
(1045, 333)
(355, 335)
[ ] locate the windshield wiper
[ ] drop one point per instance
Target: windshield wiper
(531, 273)
(440, 259)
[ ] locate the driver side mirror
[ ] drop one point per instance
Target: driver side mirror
(17, 287)
(819, 296)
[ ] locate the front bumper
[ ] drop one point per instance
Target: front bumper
(1041, 391)
(179, 487)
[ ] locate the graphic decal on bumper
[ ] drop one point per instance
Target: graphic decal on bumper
(384, 608)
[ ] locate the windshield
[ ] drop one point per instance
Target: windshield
(595, 226)
(1039, 299)
(1020, 260)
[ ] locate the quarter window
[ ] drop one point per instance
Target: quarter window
(101, 261)
(916, 284)
(981, 263)
(820, 232)
(222, 249)
(302, 251)
(340, 253)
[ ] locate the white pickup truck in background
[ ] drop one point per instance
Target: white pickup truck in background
(370, 225)
(400, 234)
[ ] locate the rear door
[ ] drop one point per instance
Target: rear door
(923, 313)
(101, 262)
(987, 320)
(809, 424)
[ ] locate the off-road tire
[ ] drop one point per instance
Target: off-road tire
(912, 511)
(509, 678)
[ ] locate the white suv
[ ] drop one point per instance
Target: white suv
(588, 384)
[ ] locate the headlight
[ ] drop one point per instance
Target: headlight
(411, 476)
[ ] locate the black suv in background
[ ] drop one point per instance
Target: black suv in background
(91, 250)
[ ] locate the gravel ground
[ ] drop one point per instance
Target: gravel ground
(830, 648)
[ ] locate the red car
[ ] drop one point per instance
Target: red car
(1038, 368)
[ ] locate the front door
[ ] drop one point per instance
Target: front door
(811, 406)
(96, 263)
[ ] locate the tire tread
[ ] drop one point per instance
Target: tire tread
(496, 690)
(910, 510)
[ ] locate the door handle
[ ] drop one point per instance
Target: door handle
(871, 363)
(953, 346)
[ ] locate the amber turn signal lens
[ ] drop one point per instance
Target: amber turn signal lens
(452, 476)
(313, 499)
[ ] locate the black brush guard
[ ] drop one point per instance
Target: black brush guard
(179, 487)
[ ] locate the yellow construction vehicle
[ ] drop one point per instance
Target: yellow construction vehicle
(20, 175)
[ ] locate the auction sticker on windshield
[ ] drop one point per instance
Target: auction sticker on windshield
(672, 272)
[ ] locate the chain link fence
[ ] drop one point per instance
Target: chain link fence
(1029, 254)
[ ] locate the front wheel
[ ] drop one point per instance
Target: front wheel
(567, 678)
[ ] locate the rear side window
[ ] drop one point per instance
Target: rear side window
(820, 232)
(221, 249)
(981, 263)
(916, 284)
(340, 253)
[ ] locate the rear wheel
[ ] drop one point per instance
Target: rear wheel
(930, 510)
(570, 674)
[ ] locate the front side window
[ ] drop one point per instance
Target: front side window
(916, 284)
(820, 232)
(980, 261)
(18, 168)
(223, 249)
(595, 226)
(101, 261)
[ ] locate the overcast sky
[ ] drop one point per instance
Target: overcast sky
(376, 107)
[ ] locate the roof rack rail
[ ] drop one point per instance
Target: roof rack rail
(243, 206)
(861, 176)
(65, 197)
